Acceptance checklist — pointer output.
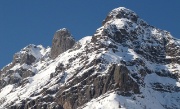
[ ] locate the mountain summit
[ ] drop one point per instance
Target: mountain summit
(126, 64)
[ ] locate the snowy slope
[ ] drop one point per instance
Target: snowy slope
(126, 64)
(42, 78)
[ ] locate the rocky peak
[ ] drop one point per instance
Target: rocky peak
(120, 13)
(125, 27)
(29, 54)
(130, 59)
(23, 65)
(62, 41)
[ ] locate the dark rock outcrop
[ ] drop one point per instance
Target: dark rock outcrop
(93, 86)
(62, 41)
(24, 58)
(118, 59)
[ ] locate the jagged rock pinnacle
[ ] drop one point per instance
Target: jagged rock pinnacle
(125, 60)
(62, 41)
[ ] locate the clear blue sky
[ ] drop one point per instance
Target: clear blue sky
(24, 22)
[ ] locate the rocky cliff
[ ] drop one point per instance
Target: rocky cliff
(62, 41)
(127, 63)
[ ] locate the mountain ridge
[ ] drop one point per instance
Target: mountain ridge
(127, 63)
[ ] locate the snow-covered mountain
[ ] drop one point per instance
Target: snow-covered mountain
(126, 64)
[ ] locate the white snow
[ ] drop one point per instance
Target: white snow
(106, 101)
(5, 91)
(147, 99)
(85, 40)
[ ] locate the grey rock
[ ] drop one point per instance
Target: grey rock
(79, 90)
(62, 41)
(121, 13)
(25, 56)
(92, 86)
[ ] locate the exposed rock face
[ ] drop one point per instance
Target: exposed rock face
(93, 86)
(26, 58)
(137, 62)
(120, 13)
(28, 55)
(23, 63)
(62, 41)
